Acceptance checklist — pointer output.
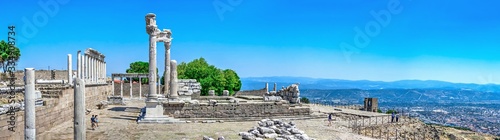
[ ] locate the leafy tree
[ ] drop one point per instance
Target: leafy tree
(390, 111)
(139, 67)
(6, 53)
(209, 76)
(304, 100)
(233, 81)
(379, 111)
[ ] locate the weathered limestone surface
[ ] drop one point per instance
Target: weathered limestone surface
(211, 93)
(231, 110)
(290, 93)
(173, 81)
(274, 129)
(225, 93)
(58, 109)
(188, 88)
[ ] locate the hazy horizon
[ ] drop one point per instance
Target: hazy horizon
(390, 40)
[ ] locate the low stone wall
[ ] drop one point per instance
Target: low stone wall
(39, 74)
(258, 92)
(231, 110)
(58, 109)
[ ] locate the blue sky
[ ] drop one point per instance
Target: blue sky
(456, 41)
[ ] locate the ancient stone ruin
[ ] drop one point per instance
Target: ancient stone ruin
(274, 129)
(290, 94)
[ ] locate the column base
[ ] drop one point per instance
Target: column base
(153, 114)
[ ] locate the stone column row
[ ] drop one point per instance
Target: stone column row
(130, 82)
(93, 70)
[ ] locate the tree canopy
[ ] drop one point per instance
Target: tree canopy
(7, 53)
(139, 67)
(209, 76)
(304, 100)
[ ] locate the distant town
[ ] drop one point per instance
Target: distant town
(479, 116)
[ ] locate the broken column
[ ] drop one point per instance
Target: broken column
(274, 89)
(173, 81)
(267, 88)
(79, 110)
(29, 104)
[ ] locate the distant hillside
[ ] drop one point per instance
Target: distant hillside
(317, 83)
(404, 96)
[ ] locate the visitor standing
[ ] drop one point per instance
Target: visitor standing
(397, 117)
(96, 121)
(392, 117)
(92, 121)
(330, 119)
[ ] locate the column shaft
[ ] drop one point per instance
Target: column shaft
(29, 100)
(152, 96)
(70, 81)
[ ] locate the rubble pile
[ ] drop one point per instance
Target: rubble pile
(274, 129)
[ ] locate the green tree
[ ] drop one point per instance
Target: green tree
(379, 111)
(390, 111)
(304, 100)
(7, 53)
(209, 76)
(139, 67)
(233, 81)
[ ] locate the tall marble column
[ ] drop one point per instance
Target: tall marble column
(70, 71)
(95, 70)
(154, 109)
(152, 30)
(140, 87)
(121, 87)
(78, 64)
(113, 85)
(100, 72)
(86, 68)
(130, 82)
(91, 69)
(166, 78)
(98, 77)
(104, 72)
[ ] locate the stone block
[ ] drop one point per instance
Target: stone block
(211, 93)
(225, 93)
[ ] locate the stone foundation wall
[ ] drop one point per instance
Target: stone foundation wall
(231, 110)
(39, 74)
(58, 109)
(258, 92)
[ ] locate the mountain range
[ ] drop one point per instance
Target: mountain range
(250, 83)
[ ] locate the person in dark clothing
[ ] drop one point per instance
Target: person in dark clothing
(92, 121)
(397, 117)
(330, 119)
(392, 117)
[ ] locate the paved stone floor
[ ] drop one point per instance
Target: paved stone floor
(118, 123)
